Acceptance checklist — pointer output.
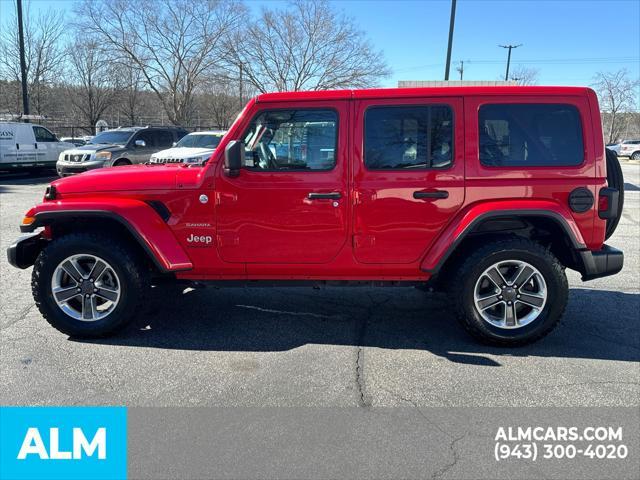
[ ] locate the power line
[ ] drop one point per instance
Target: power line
(548, 61)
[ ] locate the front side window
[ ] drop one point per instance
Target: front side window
(302, 140)
(43, 135)
(530, 135)
(411, 137)
(148, 137)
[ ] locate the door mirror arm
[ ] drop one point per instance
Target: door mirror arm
(233, 158)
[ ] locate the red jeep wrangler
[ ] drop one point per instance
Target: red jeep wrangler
(485, 192)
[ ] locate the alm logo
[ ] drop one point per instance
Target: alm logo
(33, 445)
(69, 443)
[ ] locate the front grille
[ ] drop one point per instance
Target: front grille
(167, 160)
(77, 157)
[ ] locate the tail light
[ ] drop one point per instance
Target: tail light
(608, 203)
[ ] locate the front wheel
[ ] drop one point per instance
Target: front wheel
(88, 284)
(509, 292)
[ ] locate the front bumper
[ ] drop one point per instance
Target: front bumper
(601, 263)
(66, 168)
(24, 251)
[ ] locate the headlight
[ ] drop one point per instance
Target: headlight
(103, 156)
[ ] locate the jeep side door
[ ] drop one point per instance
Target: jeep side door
(408, 173)
(289, 204)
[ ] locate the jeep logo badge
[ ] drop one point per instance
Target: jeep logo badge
(200, 239)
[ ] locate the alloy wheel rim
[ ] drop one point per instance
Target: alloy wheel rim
(85, 287)
(510, 294)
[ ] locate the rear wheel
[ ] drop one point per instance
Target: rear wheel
(88, 284)
(509, 292)
(635, 156)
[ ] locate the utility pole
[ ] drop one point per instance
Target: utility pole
(510, 47)
(460, 69)
(23, 65)
(452, 21)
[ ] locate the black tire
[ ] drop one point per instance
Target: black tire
(121, 162)
(635, 156)
(130, 270)
(463, 281)
(615, 179)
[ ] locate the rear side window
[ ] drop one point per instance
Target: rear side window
(411, 137)
(530, 135)
(302, 140)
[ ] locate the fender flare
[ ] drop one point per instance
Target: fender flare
(451, 237)
(142, 221)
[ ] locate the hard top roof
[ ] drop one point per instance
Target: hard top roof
(448, 91)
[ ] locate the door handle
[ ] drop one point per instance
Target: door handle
(324, 196)
(433, 194)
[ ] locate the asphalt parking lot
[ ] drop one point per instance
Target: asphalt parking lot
(329, 347)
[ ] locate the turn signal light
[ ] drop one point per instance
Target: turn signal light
(28, 220)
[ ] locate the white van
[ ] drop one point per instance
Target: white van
(28, 146)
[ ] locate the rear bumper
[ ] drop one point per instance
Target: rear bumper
(601, 263)
(24, 251)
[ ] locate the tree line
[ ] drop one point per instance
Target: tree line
(180, 58)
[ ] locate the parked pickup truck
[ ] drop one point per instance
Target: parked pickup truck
(485, 193)
(24, 146)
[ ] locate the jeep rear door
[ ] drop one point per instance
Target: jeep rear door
(289, 204)
(408, 175)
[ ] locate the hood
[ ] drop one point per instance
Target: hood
(96, 148)
(183, 152)
(130, 178)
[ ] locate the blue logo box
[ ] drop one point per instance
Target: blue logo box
(67, 443)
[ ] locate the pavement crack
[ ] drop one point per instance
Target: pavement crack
(21, 316)
(363, 399)
(455, 455)
(283, 312)
(595, 382)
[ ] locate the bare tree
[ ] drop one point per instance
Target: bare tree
(44, 52)
(91, 92)
(525, 75)
(308, 46)
(176, 44)
(617, 94)
(128, 80)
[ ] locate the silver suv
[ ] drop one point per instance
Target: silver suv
(123, 146)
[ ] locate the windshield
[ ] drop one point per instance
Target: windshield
(114, 137)
(200, 141)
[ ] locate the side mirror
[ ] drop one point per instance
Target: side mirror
(233, 158)
(140, 143)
